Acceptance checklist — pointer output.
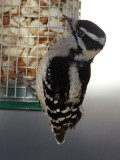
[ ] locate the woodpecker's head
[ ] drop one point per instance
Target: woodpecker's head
(90, 37)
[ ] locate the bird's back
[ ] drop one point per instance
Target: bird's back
(58, 94)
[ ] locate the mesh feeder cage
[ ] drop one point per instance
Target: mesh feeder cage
(26, 27)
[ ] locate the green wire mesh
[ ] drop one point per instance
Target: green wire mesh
(26, 21)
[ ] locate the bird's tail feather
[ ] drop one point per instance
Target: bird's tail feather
(60, 129)
(79, 115)
(60, 135)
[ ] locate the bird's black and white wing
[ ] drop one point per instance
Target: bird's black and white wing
(60, 97)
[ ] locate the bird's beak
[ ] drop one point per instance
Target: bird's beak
(68, 19)
(72, 22)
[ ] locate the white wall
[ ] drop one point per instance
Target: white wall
(105, 13)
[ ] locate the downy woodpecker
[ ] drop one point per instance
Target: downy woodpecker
(64, 72)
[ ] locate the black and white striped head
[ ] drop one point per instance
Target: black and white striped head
(90, 37)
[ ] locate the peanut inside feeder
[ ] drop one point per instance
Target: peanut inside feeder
(26, 29)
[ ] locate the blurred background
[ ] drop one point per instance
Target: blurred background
(27, 135)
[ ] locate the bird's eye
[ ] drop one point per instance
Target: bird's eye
(80, 33)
